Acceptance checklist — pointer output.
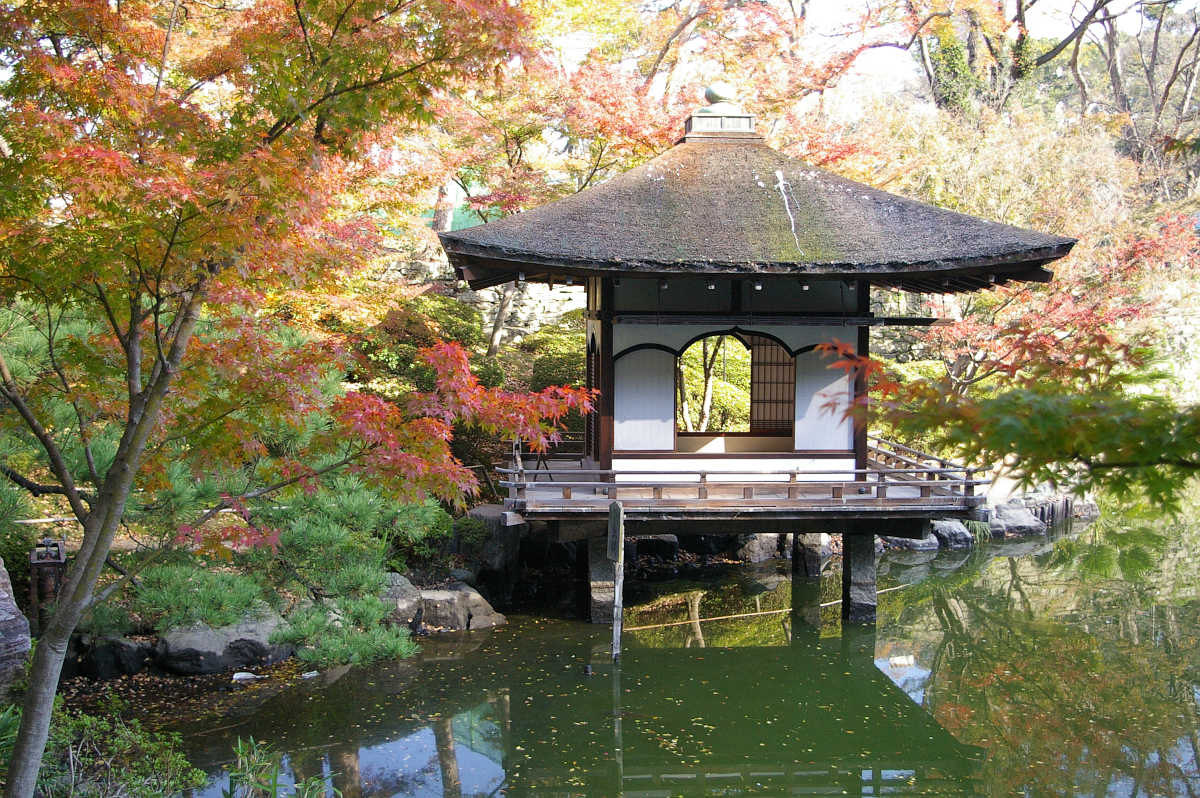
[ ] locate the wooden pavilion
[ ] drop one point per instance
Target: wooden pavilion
(723, 235)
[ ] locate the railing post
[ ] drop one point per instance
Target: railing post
(881, 487)
(969, 486)
(793, 491)
(702, 491)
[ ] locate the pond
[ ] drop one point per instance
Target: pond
(1036, 667)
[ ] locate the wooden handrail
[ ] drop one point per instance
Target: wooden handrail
(901, 447)
(801, 471)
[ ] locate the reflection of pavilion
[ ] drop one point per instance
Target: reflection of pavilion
(812, 715)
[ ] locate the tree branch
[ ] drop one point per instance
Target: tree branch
(36, 489)
(1078, 31)
(226, 504)
(10, 391)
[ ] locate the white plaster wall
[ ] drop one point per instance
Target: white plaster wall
(644, 401)
(817, 425)
(820, 470)
(676, 335)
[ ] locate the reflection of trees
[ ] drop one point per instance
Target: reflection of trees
(1065, 709)
(443, 732)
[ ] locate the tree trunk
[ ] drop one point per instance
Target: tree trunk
(710, 368)
(502, 311)
(685, 410)
(443, 212)
(99, 528)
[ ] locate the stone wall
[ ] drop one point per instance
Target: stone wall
(534, 306)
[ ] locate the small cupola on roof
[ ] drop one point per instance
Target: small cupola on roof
(721, 118)
(722, 202)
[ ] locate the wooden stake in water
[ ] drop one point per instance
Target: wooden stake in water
(616, 553)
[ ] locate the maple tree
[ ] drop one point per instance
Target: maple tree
(168, 169)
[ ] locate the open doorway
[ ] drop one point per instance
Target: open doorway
(735, 392)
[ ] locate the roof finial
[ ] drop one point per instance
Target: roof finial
(720, 92)
(721, 116)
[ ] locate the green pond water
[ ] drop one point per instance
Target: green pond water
(1038, 667)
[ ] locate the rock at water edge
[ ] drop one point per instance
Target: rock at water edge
(460, 608)
(758, 548)
(402, 597)
(201, 648)
(927, 543)
(1014, 519)
(952, 534)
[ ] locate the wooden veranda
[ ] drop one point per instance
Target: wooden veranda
(899, 482)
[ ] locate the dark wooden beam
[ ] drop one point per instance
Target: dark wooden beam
(863, 349)
(606, 426)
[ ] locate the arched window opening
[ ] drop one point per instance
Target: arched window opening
(712, 386)
(736, 384)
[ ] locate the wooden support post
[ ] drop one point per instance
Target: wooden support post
(793, 487)
(600, 579)
(748, 493)
(658, 493)
(616, 553)
(969, 488)
(702, 491)
(566, 493)
(837, 491)
(858, 578)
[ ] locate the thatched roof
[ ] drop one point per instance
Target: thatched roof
(729, 204)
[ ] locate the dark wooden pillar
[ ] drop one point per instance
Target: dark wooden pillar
(863, 349)
(858, 578)
(605, 428)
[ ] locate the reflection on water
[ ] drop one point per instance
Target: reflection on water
(1011, 670)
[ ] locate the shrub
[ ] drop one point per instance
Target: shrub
(183, 594)
(417, 531)
(470, 531)
(107, 619)
(103, 757)
(16, 540)
(345, 631)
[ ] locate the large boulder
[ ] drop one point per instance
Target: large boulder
(458, 608)
(927, 543)
(200, 648)
(953, 534)
(758, 548)
(1014, 519)
(110, 657)
(14, 633)
(403, 598)
(664, 546)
